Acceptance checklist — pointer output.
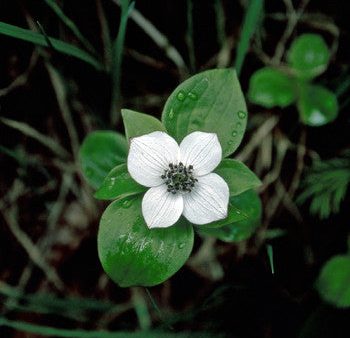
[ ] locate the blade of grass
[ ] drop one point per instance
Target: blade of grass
(117, 55)
(189, 36)
(41, 40)
(160, 40)
(269, 249)
(105, 34)
(71, 25)
(252, 18)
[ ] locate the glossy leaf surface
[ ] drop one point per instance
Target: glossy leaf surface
(211, 101)
(269, 87)
(118, 183)
(99, 153)
(131, 254)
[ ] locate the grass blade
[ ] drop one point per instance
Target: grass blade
(70, 24)
(117, 55)
(251, 21)
(41, 40)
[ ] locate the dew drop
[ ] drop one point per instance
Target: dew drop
(181, 95)
(230, 142)
(127, 204)
(234, 133)
(171, 114)
(181, 245)
(238, 124)
(192, 96)
(242, 114)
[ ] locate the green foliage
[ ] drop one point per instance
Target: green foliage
(211, 101)
(132, 254)
(333, 283)
(137, 124)
(250, 205)
(238, 176)
(117, 56)
(117, 184)
(252, 19)
(274, 87)
(308, 55)
(317, 105)
(100, 152)
(326, 185)
(41, 40)
(270, 87)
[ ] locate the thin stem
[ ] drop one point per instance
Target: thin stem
(190, 35)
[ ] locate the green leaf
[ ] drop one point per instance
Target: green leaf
(250, 204)
(118, 184)
(252, 19)
(131, 254)
(100, 152)
(333, 283)
(238, 176)
(309, 55)
(270, 87)
(317, 105)
(137, 124)
(40, 40)
(211, 101)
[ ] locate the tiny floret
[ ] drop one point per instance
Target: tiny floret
(180, 178)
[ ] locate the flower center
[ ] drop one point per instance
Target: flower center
(179, 178)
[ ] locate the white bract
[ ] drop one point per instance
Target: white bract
(180, 178)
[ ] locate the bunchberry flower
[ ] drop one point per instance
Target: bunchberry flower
(180, 178)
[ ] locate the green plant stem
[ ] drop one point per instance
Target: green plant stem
(117, 55)
(190, 36)
(252, 19)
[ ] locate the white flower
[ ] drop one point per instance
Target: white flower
(179, 178)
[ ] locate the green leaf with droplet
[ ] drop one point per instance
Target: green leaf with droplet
(250, 205)
(117, 184)
(237, 175)
(99, 153)
(317, 105)
(269, 87)
(333, 283)
(308, 55)
(134, 255)
(211, 101)
(137, 124)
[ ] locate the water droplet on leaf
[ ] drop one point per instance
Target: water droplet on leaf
(239, 125)
(181, 95)
(192, 96)
(181, 245)
(127, 204)
(171, 114)
(242, 114)
(234, 133)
